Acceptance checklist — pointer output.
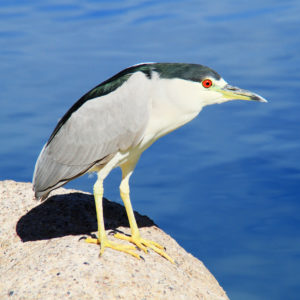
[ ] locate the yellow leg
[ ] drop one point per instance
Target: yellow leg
(102, 238)
(135, 237)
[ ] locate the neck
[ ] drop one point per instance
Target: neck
(168, 111)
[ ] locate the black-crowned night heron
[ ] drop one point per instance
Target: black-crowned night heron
(116, 121)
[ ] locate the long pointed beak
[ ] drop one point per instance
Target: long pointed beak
(232, 92)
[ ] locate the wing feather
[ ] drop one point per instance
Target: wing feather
(99, 128)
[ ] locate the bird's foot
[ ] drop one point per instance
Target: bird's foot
(143, 244)
(105, 243)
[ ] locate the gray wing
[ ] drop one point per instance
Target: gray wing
(99, 128)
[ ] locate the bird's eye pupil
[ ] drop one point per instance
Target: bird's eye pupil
(207, 83)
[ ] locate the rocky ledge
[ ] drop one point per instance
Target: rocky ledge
(43, 255)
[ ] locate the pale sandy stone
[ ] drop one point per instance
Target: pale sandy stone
(42, 256)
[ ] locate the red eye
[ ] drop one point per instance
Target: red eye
(207, 83)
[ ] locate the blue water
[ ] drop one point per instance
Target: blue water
(225, 186)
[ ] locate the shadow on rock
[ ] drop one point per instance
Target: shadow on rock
(72, 214)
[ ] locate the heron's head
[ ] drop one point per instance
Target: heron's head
(201, 85)
(213, 89)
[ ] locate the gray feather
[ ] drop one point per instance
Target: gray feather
(99, 128)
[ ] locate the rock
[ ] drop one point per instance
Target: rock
(42, 255)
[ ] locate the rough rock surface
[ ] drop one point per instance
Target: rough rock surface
(43, 257)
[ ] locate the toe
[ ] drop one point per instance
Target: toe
(92, 241)
(143, 244)
(158, 249)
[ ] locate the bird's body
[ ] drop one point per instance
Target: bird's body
(115, 122)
